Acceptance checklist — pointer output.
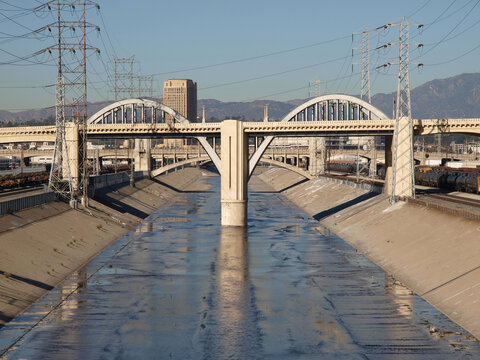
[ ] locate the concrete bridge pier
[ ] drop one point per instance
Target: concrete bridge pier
(317, 152)
(404, 184)
(143, 155)
(97, 162)
(234, 173)
(388, 164)
(72, 139)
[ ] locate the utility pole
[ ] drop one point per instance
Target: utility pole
(71, 94)
(403, 162)
(124, 77)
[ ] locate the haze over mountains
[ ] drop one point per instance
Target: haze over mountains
(457, 96)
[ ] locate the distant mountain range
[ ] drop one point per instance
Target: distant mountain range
(457, 96)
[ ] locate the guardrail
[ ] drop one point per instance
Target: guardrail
(9, 206)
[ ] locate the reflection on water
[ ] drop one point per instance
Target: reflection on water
(144, 226)
(401, 295)
(236, 333)
(68, 288)
(183, 287)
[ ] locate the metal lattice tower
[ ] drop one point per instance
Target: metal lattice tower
(71, 93)
(365, 89)
(403, 108)
(403, 174)
(403, 117)
(314, 88)
(145, 86)
(124, 79)
(60, 179)
(365, 94)
(365, 51)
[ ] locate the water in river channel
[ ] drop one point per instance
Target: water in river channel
(182, 287)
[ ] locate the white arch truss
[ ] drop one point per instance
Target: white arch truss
(131, 111)
(324, 108)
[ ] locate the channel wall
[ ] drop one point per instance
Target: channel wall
(42, 245)
(435, 254)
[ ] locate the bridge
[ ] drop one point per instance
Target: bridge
(330, 115)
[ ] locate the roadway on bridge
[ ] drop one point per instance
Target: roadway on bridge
(183, 287)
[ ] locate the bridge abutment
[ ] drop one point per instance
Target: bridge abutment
(234, 173)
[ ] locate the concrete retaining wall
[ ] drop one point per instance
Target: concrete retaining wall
(106, 180)
(41, 246)
(26, 202)
(433, 253)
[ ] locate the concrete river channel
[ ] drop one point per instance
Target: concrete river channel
(180, 286)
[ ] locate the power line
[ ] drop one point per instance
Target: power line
(274, 74)
(414, 12)
(455, 58)
(14, 6)
(254, 57)
(302, 87)
(457, 35)
(451, 31)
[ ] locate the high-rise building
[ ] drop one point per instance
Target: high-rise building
(181, 95)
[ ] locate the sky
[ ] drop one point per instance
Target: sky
(240, 50)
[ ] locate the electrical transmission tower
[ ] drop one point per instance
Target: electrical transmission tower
(145, 86)
(403, 162)
(365, 85)
(124, 78)
(365, 94)
(314, 88)
(71, 94)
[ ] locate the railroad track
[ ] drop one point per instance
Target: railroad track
(353, 178)
(9, 192)
(454, 199)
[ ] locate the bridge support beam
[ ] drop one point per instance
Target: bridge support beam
(403, 177)
(72, 139)
(388, 164)
(234, 173)
(143, 155)
(317, 151)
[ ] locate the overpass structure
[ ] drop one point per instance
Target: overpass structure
(331, 115)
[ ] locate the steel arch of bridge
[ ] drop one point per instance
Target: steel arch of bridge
(144, 111)
(324, 108)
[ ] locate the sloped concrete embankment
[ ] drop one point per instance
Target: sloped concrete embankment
(42, 245)
(435, 254)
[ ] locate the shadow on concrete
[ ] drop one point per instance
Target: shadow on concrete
(433, 191)
(119, 206)
(178, 190)
(5, 319)
(28, 281)
(344, 206)
(293, 185)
